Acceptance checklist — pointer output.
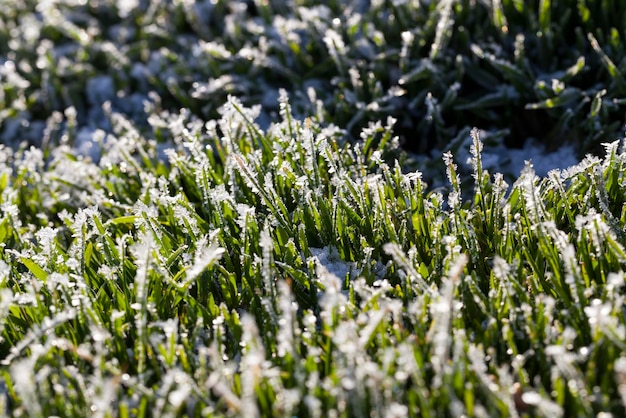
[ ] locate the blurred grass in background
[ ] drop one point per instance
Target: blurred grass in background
(516, 69)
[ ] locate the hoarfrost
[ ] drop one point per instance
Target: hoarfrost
(330, 259)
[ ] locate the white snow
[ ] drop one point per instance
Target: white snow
(330, 259)
(542, 162)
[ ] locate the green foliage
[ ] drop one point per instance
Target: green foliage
(288, 272)
(197, 233)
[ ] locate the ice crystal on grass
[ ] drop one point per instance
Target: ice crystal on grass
(442, 311)
(287, 307)
(142, 252)
(252, 366)
(620, 371)
(402, 260)
(336, 48)
(599, 315)
(45, 237)
(25, 381)
(528, 185)
(267, 249)
(207, 252)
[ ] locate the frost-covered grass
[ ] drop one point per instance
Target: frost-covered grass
(206, 209)
(551, 70)
(287, 272)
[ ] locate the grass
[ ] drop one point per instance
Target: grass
(516, 69)
(288, 272)
(231, 250)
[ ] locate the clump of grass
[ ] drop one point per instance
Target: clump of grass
(286, 271)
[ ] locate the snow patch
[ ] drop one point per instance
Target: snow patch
(332, 262)
(542, 162)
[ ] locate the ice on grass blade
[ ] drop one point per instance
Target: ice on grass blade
(46, 239)
(562, 242)
(175, 389)
(309, 145)
(267, 249)
(442, 310)
(219, 194)
(182, 214)
(373, 321)
(252, 366)
(9, 209)
(412, 179)
(335, 166)
(346, 338)
(544, 407)
(79, 224)
(336, 48)
(501, 271)
(312, 403)
(528, 186)
(603, 199)
(247, 173)
(195, 146)
(236, 119)
(407, 42)
(245, 214)
(500, 187)
(453, 251)
(287, 324)
(443, 32)
(599, 232)
(565, 371)
(142, 250)
(332, 298)
(24, 381)
(6, 302)
(454, 199)
(604, 323)
(583, 167)
(102, 387)
(620, 372)
(476, 150)
(31, 340)
(400, 258)
(476, 356)
(207, 253)
(599, 316)
(32, 163)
